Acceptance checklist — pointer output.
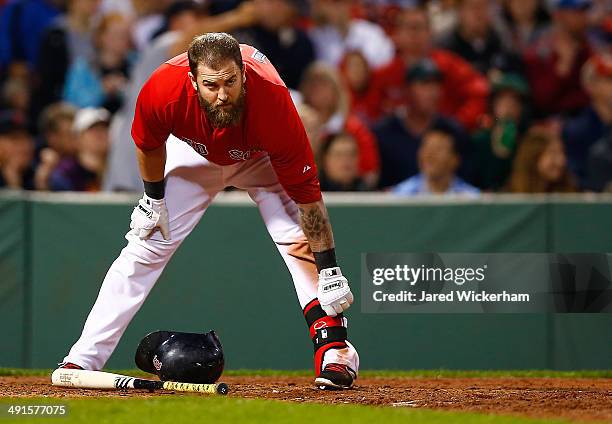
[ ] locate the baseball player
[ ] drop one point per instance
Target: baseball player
(218, 116)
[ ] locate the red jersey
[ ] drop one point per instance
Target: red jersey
(553, 93)
(464, 90)
(168, 104)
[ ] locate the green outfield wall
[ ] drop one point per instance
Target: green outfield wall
(227, 276)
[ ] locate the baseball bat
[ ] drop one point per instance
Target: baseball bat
(85, 379)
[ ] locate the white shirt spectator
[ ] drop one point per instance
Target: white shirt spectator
(417, 185)
(363, 36)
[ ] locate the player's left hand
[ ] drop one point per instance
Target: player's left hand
(148, 215)
(334, 292)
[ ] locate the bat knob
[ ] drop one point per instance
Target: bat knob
(222, 389)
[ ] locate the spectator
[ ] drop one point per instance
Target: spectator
(55, 127)
(16, 95)
(277, 35)
(312, 124)
(21, 27)
(232, 20)
(599, 172)
(495, 143)
(339, 164)
(595, 121)
(442, 15)
(178, 14)
(336, 32)
(57, 141)
(476, 40)
(598, 74)
(438, 159)
(523, 22)
(357, 76)
(540, 165)
(322, 90)
(381, 12)
(183, 24)
(146, 17)
(600, 13)
(100, 82)
(16, 152)
(553, 64)
(464, 90)
(83, 172)
(68, 38)
(399, 135)
(601, 34)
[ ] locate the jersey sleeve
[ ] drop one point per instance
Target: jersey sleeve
(152, 124)
(289, 150)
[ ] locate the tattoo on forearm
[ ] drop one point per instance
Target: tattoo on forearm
(316, 226)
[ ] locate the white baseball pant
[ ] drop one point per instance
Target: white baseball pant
(191, 184)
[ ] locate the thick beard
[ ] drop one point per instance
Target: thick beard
(220, 118)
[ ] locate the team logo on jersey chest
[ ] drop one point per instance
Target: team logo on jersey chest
(198, 147)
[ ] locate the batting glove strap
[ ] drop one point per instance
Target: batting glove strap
(325, 336)
(330, 272)
(326, 322)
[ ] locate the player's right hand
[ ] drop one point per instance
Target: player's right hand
(333, 291)
(148, 215)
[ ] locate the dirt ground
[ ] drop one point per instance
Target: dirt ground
(576, 399)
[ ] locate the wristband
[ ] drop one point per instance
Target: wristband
(326, 259)
(155, 189)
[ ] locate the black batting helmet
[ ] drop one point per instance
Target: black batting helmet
(183, 357)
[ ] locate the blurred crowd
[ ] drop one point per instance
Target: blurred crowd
(411, 97)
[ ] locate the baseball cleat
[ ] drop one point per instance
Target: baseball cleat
(335, 377)
(70, 366)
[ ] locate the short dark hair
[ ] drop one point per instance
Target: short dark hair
(329, 139)
(447, 130)
(213, 49)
